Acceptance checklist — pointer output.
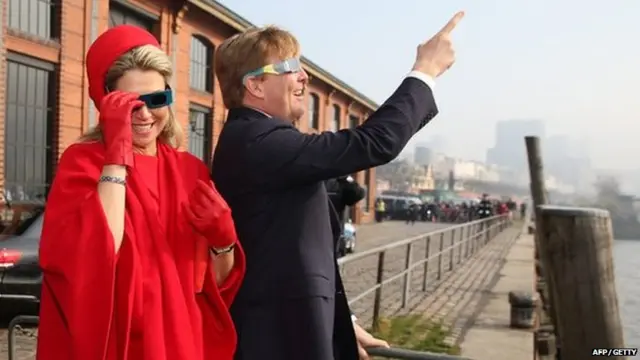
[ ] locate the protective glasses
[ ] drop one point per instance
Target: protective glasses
(158, 99)
(288, 66)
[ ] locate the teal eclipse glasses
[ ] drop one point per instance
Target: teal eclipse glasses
(158, 99)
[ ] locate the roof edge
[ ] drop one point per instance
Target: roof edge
(239, 23)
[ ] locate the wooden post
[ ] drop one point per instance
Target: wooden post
(536, 174)
(578, 257)
(539, 197)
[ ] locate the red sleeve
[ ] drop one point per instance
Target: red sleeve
(77, 256)
(231, 285)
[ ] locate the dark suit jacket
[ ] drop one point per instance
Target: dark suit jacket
(291, 305)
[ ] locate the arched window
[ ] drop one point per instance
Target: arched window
(335, 120)
(353, 121)
(199, 132)
(201, 70)
(314, 111)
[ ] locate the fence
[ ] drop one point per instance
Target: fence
(448, 248)
(419, 262)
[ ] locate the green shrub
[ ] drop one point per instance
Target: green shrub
(413, 332)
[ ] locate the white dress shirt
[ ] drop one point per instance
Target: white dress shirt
(431, 83)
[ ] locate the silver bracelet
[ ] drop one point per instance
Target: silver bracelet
(113, 179)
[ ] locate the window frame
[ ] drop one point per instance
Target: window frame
(54, 19)
(313, 121)
(207, 137)
(352, 124)
(335, 118)
(50, 144)
(141, 15)
(209, 75)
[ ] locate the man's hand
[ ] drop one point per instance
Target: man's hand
(436, 55)
(366, 340)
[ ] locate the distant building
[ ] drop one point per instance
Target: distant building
(509, 149)
(422, 155)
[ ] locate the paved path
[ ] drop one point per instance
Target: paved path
(369, 236)
(360, 275)
(456, 299)
(490, 337)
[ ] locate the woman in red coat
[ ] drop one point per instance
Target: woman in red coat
(139, 251)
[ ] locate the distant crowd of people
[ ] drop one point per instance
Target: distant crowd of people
(447, 211)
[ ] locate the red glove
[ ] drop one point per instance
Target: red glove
(210, 216)
(115, 123)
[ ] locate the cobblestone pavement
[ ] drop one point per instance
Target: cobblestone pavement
(455, 299)
(361, 274)
(369, 236)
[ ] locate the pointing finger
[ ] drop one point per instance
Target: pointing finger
(448, 28)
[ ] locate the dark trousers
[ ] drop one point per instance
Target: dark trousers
(286, 330)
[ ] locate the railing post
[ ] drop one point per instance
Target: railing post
(407, 275)
(451, 253)
(425, 276)
(487, 235)
(378, 294)
(440, 255)
(460, 244)
(472, 239)
(11, 336)
(467, 241)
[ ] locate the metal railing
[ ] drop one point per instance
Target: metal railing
(411, 262)
(22, 324)
(403, 354)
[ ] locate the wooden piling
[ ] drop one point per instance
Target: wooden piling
(539, 197)
(577, 253)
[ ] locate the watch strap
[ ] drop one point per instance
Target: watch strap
(224, 250)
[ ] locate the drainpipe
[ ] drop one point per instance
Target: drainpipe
(93, 33)
(179, 11)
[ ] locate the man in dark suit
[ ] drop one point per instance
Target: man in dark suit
(292, 304)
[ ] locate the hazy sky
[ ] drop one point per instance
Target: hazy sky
(574, 64)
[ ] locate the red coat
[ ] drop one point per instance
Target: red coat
(157, 299)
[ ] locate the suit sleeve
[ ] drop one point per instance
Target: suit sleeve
(283, 156)
(77, 256)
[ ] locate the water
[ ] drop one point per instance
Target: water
(627, 269)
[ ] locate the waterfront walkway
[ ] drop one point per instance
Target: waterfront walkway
(489, 336)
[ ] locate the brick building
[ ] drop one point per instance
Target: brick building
(44, 103)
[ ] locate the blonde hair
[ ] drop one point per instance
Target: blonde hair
(147, 58)
(248, 51)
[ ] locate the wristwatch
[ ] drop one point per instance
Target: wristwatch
(224, 250)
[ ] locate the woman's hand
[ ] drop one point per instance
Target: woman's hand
(115, 122)
(210, 216)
